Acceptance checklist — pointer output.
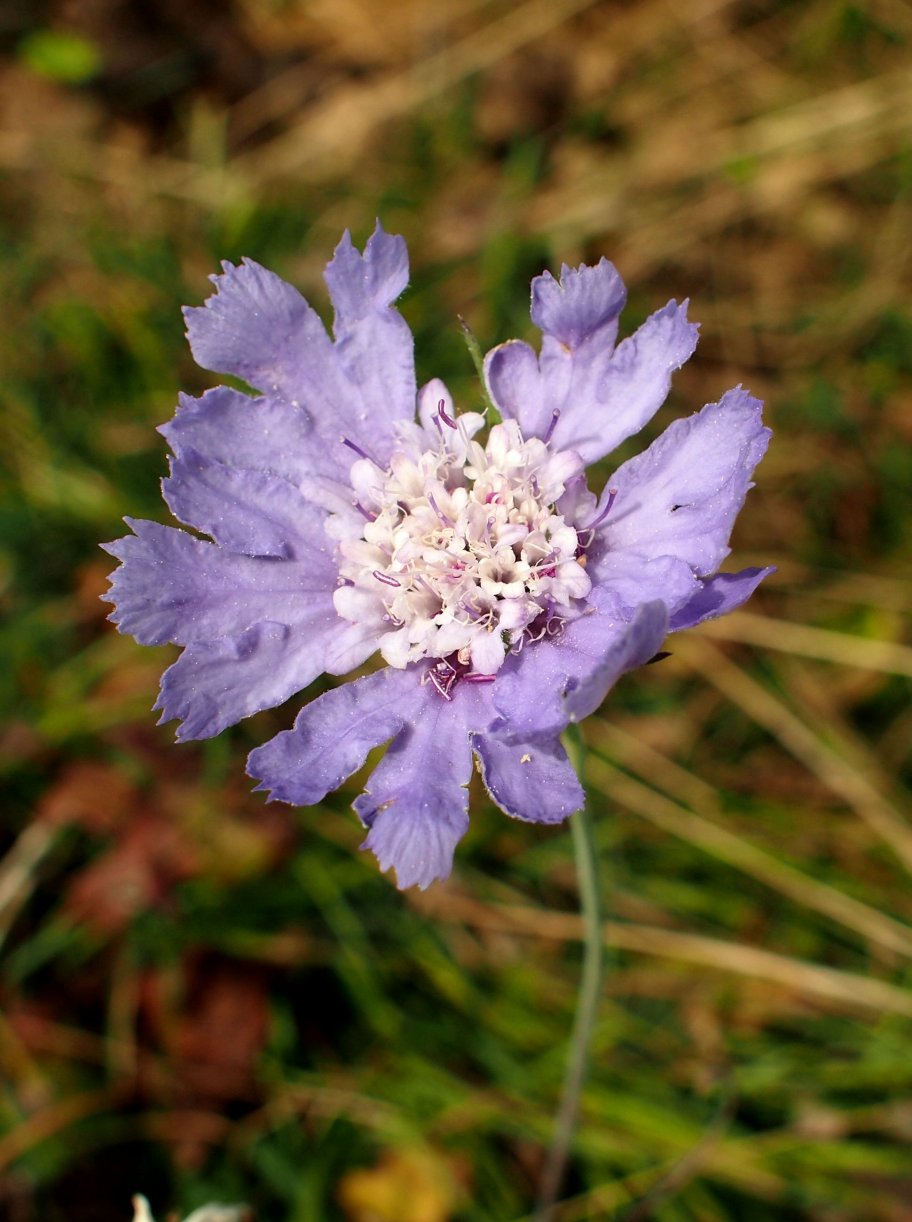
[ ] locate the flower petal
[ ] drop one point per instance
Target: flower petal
(333, 735)
(515, 385)
(607, 394)
(265, 434)
(601, 395)
(640, 640)
(681, 496)
(173, 587)
(214, 684)
(717, 596)
(635, 382)
(531, 781)
(256, 513)
(552, 682)
(416, 804)
(416, 841)
(374, 345)
(622, 581)
(361, 285)
(257, 327)
(585, 302)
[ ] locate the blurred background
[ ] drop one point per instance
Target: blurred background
(205, 998)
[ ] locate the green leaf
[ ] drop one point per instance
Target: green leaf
(61, 56)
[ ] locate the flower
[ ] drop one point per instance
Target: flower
(504, 597)
(208, 1213)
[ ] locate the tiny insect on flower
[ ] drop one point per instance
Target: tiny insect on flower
(351, 513)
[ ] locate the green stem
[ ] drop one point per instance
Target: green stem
(590, 992)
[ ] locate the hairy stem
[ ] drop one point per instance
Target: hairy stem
(493, 415)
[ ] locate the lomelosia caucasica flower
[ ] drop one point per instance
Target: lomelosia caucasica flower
(350, 513)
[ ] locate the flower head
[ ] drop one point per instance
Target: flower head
(350, 513)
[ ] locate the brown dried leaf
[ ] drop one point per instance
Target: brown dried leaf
(134, 874)
(95, 795)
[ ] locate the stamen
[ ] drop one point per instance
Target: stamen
(352, 446)
(442, 686)
(478, 678)
(463, 432)
(436, 508)
(442, 413)
(555, 416)
(443, 675)
(612, 497)
(386, 579)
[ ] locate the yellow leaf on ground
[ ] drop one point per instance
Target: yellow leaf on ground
(406, 1185)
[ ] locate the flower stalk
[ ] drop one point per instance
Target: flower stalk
(590, 992)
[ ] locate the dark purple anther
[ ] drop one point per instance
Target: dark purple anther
(386, 579)
(442, 413)
(555, 416)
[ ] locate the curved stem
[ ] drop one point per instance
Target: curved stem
(587, 1003)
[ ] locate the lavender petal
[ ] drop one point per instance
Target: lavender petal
(416, 803)
(263, 434)
(257, 327)
(534, 781)
(682, 495)
(717, 596)
(622, 581)
(583, 304)
(173, 587)
(374, 345)
(333, 735)
(214, 684)
(252, 512)
(603, 394)
(553, 682)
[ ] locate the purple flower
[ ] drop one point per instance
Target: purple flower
(504, 597)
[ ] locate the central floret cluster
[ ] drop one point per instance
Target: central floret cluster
(465, 553)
